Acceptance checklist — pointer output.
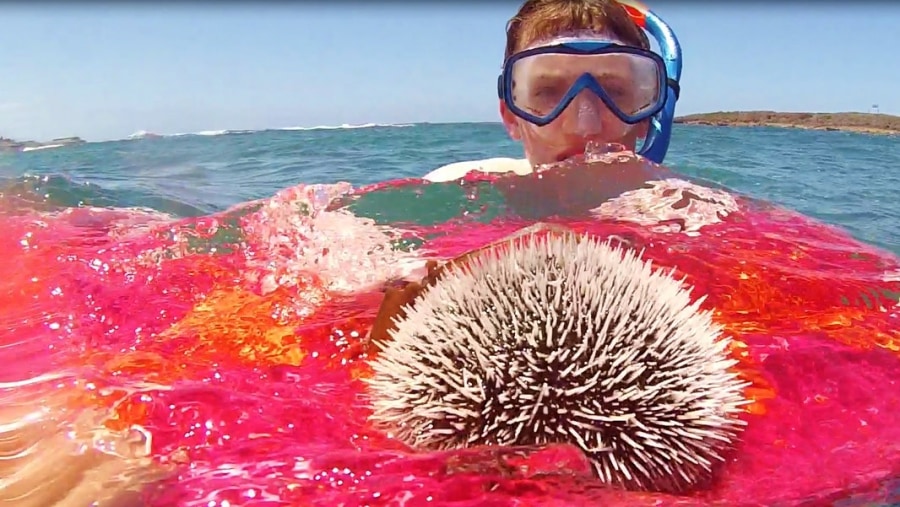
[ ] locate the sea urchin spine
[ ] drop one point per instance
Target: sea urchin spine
(560, 338)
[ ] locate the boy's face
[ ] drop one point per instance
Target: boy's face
(542, 81)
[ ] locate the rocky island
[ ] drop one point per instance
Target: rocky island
(867, 123)
(7, 145)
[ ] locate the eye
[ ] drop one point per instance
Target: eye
(547, 93)
(617, 91)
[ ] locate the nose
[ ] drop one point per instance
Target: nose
(586, 115)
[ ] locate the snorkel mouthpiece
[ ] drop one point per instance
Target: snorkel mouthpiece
(594, 152)
(600, 152)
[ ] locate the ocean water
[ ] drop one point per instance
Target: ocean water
(215, 359)
(846, 179)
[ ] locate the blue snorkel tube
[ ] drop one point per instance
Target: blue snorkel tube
(660, 132)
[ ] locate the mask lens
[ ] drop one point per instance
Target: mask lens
(540, 82)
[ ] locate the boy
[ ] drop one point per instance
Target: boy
(575, 72)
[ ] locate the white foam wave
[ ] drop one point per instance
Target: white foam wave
(209, 133)
(43, 147)
(143, 134)
(346, 126)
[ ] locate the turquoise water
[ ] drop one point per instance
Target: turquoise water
(851, 180)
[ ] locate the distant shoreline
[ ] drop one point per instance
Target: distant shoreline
(863, 123)
(11, 145)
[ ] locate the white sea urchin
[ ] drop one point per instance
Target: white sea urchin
(564, 339)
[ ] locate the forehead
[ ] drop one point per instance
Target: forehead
(550, 64)
(555, 66)
(573, 36)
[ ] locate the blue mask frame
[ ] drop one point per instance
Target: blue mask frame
(661, 115)
(584, 82)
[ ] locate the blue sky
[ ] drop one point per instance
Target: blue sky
(104, 70)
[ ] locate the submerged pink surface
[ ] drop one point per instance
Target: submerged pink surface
(243, 360)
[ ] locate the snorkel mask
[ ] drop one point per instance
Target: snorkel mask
(540, 83)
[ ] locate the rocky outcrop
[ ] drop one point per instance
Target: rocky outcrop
(8, 145)
(869, 123)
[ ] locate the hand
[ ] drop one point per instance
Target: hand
(395, 300)
(398, 297)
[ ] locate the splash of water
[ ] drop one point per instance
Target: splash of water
(218, 359)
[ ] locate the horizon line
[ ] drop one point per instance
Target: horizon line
(411, 123)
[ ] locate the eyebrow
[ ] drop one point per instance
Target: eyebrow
(555, 76)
